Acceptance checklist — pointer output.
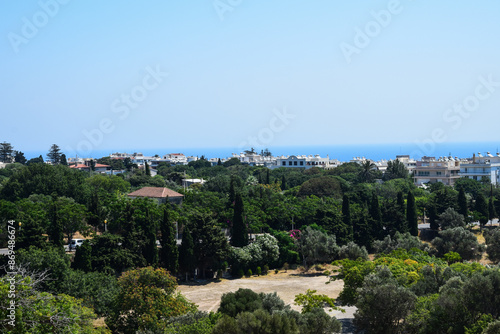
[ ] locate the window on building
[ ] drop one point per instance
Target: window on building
(284, 163)
(302, 163)
(289, 163)
(295, 163)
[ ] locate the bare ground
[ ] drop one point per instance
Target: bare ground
(207, 294)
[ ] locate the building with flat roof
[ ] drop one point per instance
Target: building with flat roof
(430, 170)
(480, 167)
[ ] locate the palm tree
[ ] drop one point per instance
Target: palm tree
(367, 172)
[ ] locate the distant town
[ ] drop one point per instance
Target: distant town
(480, 167)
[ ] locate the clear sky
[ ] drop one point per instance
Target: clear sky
(97, 75)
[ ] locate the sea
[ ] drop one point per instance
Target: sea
(342, 153)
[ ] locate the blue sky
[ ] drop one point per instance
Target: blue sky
(240, 73)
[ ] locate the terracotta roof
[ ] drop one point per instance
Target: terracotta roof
(101, 165)
(78, 166)
(155, 192)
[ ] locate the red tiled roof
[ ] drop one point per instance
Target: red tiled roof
(101, 165)
(155, 192)
(78, 166)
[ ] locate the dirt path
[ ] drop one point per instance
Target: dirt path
(207, 294)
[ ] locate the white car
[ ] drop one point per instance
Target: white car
(75, 243)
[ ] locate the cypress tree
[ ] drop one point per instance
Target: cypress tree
(376, 218)
(148, 171)
(232, 192)
(219, 163)
(433, 218)
(462, 203)
(346, 216)
(260, 178)
(56, 235)
(239, 237)
(491, 206)
(83, 257)
(268, 178)
(411, 214)
(169, 250)
(283, 183)
(150, 250)
(482, 209)
(64, 161)
(187, 259)
(401, 224)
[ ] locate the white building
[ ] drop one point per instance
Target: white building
(302, 161)
(482, 166)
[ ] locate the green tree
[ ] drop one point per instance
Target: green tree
(481, 208)
(322, 186)
(239, 235)
(148, 171)
(383, 305)
(70, 216)
(83, 257)
(19, 157)
(187, 258)
(400, 219)
(491, 206)
(146, 301)
(316, 246)
(210, 244)
(97, 290)
(54, 154)
(64, 161)
(375, 217)
(367, 171)
(458, 240)
(56, 227)
(395, 170)
(450, 219)
(6, 150)
(492, 239)
(283, 183)
(169, 251)
(411, 214)
(243, 300)
(268, 179)
(462, 203)
(42, 312)
(346, 216)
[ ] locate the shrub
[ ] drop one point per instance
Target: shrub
(493, 244)
(258, 271)
(450, 219)
(398, 241)
(458, 240)
(452, 257)
(276, 271)
(249, 273)
(243, 300)
(241, 273)
(265, 269)
(146, 301)
(353, 252)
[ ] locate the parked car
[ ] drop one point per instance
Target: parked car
(75, 243)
